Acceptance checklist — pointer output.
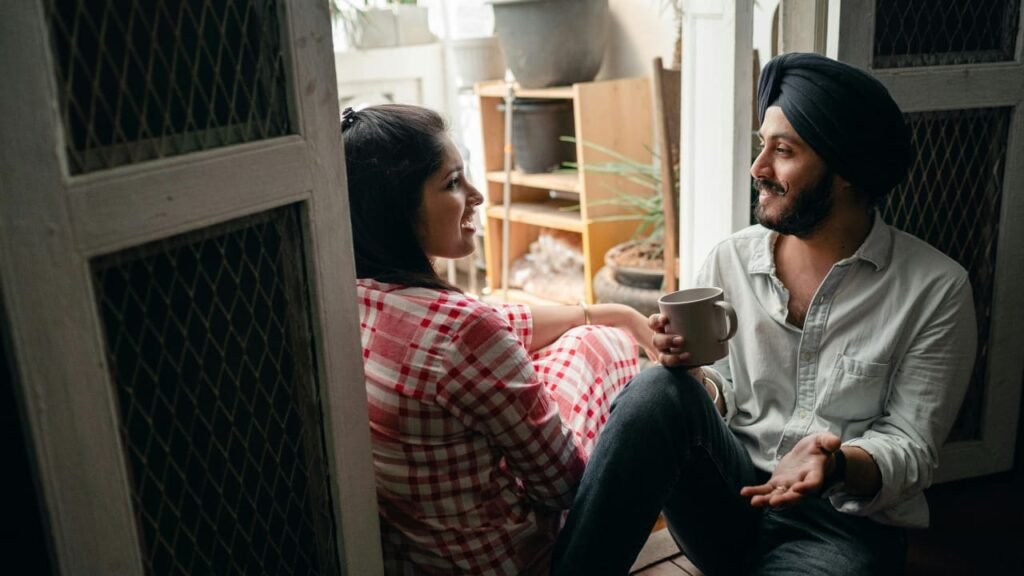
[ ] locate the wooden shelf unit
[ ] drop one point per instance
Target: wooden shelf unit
(615, 114)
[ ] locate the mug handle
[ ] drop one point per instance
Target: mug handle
(730, 313)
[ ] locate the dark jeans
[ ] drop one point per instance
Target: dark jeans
(665, 448)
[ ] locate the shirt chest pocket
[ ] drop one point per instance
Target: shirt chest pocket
(855, 390)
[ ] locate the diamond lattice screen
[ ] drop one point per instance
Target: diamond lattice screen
(139, 80)
(208, 344)
(951, 199)
(912, 33)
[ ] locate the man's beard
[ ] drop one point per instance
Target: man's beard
(806, 214)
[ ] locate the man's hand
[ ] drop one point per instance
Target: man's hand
(802, 471)
(669, 346)
(670, 353)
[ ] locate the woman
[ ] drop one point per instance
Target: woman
(482, 418)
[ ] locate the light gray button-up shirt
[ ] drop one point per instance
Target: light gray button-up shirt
(883, 359)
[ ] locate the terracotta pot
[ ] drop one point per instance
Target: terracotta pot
(636, 277)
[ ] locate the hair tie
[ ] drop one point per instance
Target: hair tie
(348, 116)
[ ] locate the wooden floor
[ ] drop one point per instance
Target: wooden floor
(661, 557)
(977, 528)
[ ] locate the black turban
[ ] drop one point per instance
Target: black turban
(844, 114)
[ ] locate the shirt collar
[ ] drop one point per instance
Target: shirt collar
(763, 260)
(876, 249)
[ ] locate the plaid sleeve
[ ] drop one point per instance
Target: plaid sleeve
(521, 319)
(492, 388)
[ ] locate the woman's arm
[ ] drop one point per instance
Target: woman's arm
(550, 322)
(490, 385)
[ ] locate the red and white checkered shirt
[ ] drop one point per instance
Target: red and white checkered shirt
(478, 446)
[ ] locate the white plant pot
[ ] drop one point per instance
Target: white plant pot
(477, 59)
(399, 25)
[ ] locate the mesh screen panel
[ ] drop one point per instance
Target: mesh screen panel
(951, 199)
(139, 80)
(208, 345)
(912, 33)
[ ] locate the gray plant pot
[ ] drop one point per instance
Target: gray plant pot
(552, 42)
(537, 126)
(607, 288)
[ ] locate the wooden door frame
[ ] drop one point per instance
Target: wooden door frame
(715, 127)
(850, 39)
(52, 223)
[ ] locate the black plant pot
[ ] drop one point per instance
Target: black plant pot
(552, 42)
(537, 126)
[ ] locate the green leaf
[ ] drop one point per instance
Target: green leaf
(646, 209)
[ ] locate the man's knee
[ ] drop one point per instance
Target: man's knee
(660, 395)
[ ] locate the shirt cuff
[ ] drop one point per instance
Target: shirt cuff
(886, 495)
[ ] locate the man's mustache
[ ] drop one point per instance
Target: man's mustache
(766, 185)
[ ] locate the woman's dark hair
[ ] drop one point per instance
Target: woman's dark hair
(390, 151)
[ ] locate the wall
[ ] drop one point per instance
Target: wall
(640, 31)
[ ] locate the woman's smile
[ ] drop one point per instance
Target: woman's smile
(469, 222)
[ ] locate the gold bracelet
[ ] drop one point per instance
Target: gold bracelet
(586, 313)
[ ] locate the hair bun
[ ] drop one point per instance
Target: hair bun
(348, 116)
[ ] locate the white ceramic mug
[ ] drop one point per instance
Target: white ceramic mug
(704, 319)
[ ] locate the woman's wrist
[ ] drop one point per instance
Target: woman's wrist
(609, 314)
(587, 321)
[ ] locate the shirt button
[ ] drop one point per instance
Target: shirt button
(803, 414)
(807, 356)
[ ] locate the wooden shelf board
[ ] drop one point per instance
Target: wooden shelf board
(496, 88)
(546, 214)
(564, 181)
(516, 296)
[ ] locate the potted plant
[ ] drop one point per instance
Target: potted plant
(533, 37)
(634, 270)
(367, 24)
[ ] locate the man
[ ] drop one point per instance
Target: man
(854, 349)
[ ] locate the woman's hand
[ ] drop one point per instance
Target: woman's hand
(801, 471)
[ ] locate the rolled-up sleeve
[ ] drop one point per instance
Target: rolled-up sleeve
(491, 386)
(926, 392)
(520, 318)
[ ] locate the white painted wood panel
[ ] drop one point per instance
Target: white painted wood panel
(130, 205)
(52, 223)
(931, 88)
(333, 275)
(54, 328)
(715, 135)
